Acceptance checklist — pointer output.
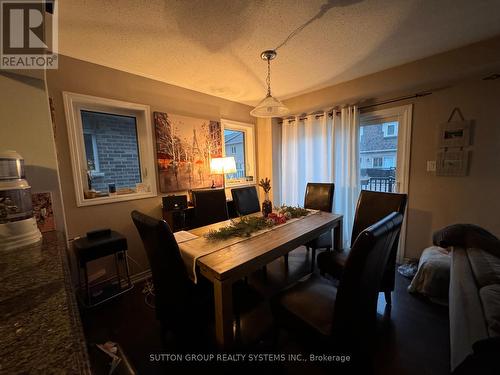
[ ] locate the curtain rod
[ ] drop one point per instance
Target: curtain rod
(330, 112)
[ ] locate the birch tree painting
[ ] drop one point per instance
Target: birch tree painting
(184, 148)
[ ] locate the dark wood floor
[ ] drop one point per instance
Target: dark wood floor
(413, 335)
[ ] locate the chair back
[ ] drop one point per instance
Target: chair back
(246, 200)
(170, 278)
(373, 206)
(319, 196)
(209, 206)
(357, 294)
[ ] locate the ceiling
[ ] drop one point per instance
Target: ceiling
(214, 46)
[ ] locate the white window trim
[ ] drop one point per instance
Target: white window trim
(250, 170)
(73, 104)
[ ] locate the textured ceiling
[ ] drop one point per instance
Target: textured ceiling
(213, 46)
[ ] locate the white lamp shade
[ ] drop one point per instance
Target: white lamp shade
(222, 165)
(270, 107)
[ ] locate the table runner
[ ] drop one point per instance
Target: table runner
(195, 248)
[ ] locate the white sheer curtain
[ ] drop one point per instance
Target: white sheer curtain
(320, 148)
(346, 166)
(306, 155)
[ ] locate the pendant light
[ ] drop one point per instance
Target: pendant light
(269, 106)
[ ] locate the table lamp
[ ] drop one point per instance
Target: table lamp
(222, 166)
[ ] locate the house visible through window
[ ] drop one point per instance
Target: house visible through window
(239, 143)
(234, 141)
(377, 162)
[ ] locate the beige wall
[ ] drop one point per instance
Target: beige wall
(264, 151)
(26, 127)
(86, 78)
(438, 201)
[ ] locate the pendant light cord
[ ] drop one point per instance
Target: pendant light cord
(329, 4)
(293, 33)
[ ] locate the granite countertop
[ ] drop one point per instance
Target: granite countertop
(40, 328)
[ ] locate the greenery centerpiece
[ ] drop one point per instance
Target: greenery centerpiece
(246, 225)
(267, 206)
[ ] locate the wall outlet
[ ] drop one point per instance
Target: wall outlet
(431, 166)
(97, 275)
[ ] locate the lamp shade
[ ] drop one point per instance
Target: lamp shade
(222, 165)
(270, 107)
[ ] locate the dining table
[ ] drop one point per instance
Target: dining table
(237, 259)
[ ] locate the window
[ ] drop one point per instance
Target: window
(234, 140)
(390, 129)
(111, 149)
(377, 162)
(239, 143)
(113, 139)
(389, 162)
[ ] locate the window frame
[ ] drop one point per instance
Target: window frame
(378, 158)
(250, 163)
(73, 104)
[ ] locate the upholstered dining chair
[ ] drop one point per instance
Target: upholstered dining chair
(319, 196)
(371, 207)
(180, 304)
(246, 200)
(209, 206)
(343, 315)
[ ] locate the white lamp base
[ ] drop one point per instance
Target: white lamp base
(18, 234)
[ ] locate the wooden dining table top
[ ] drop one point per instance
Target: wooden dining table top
(235, 259)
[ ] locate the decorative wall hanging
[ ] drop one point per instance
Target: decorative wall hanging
(184, 148)
(455, 133)
(454, 138)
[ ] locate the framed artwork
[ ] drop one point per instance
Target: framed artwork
(42, 211)
(184, 148)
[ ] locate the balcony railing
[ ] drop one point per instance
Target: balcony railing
(383, 184)
(240, 173)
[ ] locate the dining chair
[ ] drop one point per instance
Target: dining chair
(319, 196)
(246, 200)
(343, 316)
(371, 207)
(210, 206)
(181, 306)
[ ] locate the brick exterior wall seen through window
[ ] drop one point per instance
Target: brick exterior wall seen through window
(115, 140)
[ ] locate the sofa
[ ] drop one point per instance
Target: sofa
(474, 298)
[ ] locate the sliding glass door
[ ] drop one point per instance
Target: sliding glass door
(384, 153)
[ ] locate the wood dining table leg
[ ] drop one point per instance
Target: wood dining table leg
(337, 236)
(223, 299)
